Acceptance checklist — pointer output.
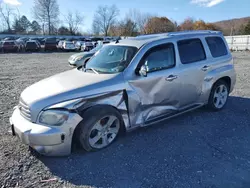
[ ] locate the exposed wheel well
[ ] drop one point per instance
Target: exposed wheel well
(75, 143)
(86, 60)
(227, 80)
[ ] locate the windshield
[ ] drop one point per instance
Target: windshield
(98, 47)
(111, 59)
(88, 44)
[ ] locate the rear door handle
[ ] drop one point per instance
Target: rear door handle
(205, 68)
(170, 78)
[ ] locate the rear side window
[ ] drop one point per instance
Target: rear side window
(31, 44)
(216, 46)
(9, 43)
(191, 51)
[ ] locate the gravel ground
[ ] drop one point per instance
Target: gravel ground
(198, 149)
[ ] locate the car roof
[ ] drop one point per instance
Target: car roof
(141, 40)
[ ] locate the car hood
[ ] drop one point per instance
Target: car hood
(68, 85)
(81, 54)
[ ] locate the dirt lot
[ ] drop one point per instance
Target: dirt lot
(198, 149)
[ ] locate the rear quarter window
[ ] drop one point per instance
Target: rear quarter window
(8, 43)
(50, 41)
(191, 51)
(217, 46)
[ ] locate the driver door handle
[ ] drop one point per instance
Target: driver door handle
(205, 68)
(170, 78)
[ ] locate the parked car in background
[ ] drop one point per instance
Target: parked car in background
(50, 44)
(1, 46)
(79, 44)
(95, 39)
(10, 46)
(68, 46)
(38, 43)
(21, 45)
(42, 41)
(24, 39)
(60, 44)
(87, 46)
(80, 59)
(10, 38)
(32, 46)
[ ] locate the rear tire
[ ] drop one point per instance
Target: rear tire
(100, 127)
(218, 96)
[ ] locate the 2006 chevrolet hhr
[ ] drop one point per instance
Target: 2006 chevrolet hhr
(131, 83)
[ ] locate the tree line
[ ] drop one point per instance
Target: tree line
(46, 21)
(106, 22)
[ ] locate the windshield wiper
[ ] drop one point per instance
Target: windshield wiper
(95, 71)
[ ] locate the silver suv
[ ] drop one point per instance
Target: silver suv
(132, 83)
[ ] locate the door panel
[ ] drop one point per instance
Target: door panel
(192, 79)
(158, 89)
(158, 95)
(193, 67)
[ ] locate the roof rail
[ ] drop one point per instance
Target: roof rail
(194, 32)
(181, 33)
(154, 35)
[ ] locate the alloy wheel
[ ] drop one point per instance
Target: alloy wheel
(104, 132)
(220, 96)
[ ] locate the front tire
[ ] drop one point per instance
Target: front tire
(100, 127)
(218, 96)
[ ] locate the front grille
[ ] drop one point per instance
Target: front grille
(24, 110)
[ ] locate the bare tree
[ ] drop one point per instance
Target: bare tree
(47, 12)
(139, 18)
(104, 18)
(73, 21)
(6, 12)
(96, 28)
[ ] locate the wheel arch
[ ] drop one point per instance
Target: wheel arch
(227, 80)
(83, 111)
(208, 86)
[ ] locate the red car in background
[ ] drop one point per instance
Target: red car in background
(10, 46)
(50, 44)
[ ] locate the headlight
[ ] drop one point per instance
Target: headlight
(78, 58)
(53, 117)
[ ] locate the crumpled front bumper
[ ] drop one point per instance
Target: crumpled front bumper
(46, 140)
(72, 63)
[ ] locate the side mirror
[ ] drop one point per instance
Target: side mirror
(143, 71)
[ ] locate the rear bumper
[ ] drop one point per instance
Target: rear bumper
(69, 49)
(10, 49)
(46, 140)
(233, 81)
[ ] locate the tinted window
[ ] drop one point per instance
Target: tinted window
(216, 46)
(31, 45)
(9, 43)
(50, 40)
(88, 44)
(191, 51)
(159, 58)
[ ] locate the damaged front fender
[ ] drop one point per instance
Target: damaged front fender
(117, 99)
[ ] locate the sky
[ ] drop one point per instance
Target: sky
(178, 10)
